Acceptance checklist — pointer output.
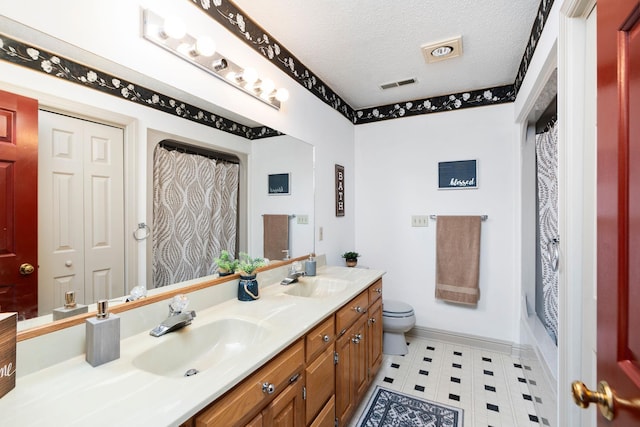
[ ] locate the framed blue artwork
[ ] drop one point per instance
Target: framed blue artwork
(279, 184)
(458, 175)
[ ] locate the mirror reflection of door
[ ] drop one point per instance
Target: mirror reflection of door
(81, 206)
(18, 204)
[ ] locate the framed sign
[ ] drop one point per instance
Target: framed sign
(339, 190)
(458, 175)
(279, 184)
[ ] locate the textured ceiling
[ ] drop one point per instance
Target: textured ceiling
(355, 46)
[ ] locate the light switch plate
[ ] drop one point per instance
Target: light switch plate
(303, 219)
(419, 220)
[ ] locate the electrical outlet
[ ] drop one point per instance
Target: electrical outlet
(320, 234)
(419, 220)
(303, 219)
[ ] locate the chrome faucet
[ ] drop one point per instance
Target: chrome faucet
(293, 275)
(178, 317)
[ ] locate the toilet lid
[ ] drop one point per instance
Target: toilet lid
(392, 308)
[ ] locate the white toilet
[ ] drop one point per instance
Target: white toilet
(397, 318)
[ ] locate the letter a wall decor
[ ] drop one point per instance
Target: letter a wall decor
(339, 190)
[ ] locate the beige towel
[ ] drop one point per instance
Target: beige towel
(276, 235)
(458, 259)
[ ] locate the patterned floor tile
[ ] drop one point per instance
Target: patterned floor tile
(494, 389)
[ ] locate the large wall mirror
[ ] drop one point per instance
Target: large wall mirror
(260, 159)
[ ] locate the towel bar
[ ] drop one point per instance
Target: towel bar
(482, 217)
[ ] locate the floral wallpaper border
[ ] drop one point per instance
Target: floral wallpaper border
(536, 32)
(458, 101)
(38, 59)
(226, 13)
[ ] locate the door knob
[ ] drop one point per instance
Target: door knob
(26, 269)
(605, 397)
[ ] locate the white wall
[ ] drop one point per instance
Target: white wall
(397, 176)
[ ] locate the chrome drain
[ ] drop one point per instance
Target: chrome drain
(191, 372)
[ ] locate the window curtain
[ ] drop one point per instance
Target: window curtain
(547, 183)
(195, 214)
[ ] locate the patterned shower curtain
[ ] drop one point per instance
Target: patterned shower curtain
(547, 171)
(195, 211)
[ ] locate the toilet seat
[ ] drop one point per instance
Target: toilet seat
(396, 309)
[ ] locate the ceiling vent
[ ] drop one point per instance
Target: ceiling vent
(435, 52)
(398, 84)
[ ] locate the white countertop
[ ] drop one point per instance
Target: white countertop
(73, 393)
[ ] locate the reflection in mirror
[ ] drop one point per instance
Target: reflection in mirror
(288, 162)
(138, 119)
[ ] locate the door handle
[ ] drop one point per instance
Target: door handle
(26, 269)
(606, 398)
(553, 257)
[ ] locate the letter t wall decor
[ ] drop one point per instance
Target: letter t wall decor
(339, 190)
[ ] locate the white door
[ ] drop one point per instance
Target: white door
(81, 210)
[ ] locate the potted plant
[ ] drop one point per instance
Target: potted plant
(351, 258)
(248, 285)
(226, 263)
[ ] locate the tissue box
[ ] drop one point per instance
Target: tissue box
(8, 331)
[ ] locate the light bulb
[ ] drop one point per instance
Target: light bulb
(205, 46)
(282, 94)
(249, 75)
(174, 28)
(267, 86)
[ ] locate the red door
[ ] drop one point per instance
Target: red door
(18, 205)
(618, 54)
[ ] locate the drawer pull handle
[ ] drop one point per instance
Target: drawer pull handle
(268, 388)
(378, 290)
(373, 320)
(358, 309)
(325, 338)
(356, 339)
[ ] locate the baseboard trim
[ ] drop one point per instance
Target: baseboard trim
(466, 339)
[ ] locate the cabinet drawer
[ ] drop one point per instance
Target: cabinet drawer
(248, 397)
(321, 337)
(351, 311)
(375, 291)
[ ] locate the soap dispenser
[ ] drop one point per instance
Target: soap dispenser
(310, 266)
(102, 336)
(70, 307)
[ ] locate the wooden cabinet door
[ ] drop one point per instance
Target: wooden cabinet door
(359, 365)
(326, 417)
(344, 383)
(256, 422)
(374, 340)
(287, 409)
(320, 376)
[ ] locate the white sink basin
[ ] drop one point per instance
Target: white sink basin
(316, 287)
(201, 348)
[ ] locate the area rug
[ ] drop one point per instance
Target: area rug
(388, 408)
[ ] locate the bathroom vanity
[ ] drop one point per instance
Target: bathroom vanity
(302, 355)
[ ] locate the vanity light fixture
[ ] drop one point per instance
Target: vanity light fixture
(170, 34)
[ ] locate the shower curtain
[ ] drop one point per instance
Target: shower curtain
(195, 214)
(547, 172)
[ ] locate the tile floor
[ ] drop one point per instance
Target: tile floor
(494, 389)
